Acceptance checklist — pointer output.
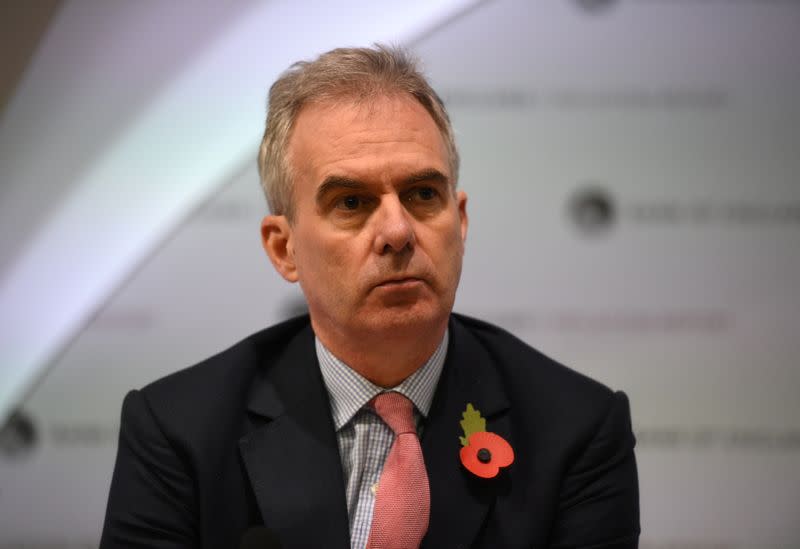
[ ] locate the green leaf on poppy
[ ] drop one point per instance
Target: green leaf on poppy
(472, 423)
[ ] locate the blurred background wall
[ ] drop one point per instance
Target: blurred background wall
(631, 167)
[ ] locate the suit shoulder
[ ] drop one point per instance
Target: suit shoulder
(530, 368)
(220, 383)
(236, 359)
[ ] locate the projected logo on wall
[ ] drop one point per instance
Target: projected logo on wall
(592, 209)
(595, 6)
(18, 436)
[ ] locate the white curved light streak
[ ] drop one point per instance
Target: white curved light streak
(202, 126)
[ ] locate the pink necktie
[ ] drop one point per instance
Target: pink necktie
(402, 504)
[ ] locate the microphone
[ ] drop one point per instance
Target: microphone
(259, 537)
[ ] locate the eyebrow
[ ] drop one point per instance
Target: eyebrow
(431, 175)
(338, 182)
(335, 183)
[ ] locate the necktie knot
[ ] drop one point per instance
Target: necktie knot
(396, 411)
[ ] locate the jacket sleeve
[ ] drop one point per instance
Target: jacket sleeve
(599, 500)
(152, 501)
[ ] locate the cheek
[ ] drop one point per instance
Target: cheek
(447, 253)
(456, 251)
(323, 262)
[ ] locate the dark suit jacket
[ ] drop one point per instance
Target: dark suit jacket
(246, 438)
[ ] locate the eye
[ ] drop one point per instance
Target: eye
(350, 202)
(422, 194)
(426, 193)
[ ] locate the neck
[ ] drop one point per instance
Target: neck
(386, 358)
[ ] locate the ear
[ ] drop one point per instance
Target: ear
(461, 198)
(276, 237)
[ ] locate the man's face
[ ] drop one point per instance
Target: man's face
(378, 233)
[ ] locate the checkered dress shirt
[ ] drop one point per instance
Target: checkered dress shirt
(364, 439)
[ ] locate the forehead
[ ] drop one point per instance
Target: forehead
(377, 135)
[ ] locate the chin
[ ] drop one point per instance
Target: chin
(403, 321)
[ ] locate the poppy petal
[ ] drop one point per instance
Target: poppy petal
(500, 454)
(469, 458)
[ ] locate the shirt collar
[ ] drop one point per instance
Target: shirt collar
(349, 391)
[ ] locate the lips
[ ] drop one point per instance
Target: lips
(400, 281)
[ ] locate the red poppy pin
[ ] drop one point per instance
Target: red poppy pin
(482, 453)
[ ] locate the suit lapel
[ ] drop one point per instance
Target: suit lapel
(291, 455)
(460, 500)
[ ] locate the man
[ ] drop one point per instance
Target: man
(295, 430)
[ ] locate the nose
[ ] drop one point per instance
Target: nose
(394, 230)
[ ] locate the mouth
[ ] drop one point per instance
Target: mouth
(400, 282)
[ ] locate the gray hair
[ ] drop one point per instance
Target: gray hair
(354, 73)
